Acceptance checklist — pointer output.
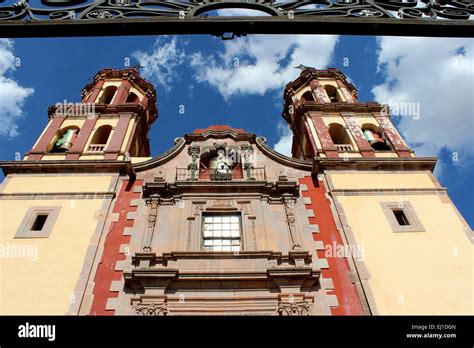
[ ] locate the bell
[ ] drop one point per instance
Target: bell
(65, 143)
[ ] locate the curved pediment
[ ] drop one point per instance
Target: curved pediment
(201, 136)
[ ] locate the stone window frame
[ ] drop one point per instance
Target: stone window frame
(222, 213)
(24, 230)
(415, 224)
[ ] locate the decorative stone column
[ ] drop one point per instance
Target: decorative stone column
(289, 203)
(152, 204)
(194, 151)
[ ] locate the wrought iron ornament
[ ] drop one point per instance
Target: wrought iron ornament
(62, 12)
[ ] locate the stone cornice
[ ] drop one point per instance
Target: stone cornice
(220, 134)
(309, 74)
(137, 110)
(152, 270)
(273, 191)
(130, 73)
(375, 163)
(68, 166)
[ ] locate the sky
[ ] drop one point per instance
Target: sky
(202, 80)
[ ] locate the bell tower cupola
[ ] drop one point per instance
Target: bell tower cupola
(111, 122)
(328, 121)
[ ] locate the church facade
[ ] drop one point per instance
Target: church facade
(354, 223)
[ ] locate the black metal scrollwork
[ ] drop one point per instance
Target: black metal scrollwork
(106, 10)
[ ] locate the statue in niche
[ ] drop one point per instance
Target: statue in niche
(221, 166)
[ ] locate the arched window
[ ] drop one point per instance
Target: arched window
(374, 136)
(101, 135)
(132, 98)
(63, 139)
(331, 91)
(308, 96)
(340, 137)
(108, 95)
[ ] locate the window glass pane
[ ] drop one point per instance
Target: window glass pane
(221, 233)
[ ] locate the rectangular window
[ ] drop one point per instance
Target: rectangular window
(39, 222)
(222, 232)
(401, 217)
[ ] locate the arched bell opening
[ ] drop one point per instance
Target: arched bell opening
(63, 139)
(132, 98)
(108, 95)
(308, 97)
(374, 136)
(332, 93)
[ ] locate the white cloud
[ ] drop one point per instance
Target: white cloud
(285, 142)
(161, 64)
(260, 63)
(12, 95)
(252, 65)
(439, 75)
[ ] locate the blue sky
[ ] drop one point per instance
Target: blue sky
(241, 83)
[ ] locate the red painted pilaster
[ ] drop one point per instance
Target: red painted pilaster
(118, 136)
(345, 91)
(106, 272)
(39, 150)
(122, 93)
(319, 92)
(95, 92)
(339, 269)
(78, 147)
(323, 134)
(364, 147)
(392, 135)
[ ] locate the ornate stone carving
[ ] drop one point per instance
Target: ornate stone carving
(294, 308)
(150, 226)
(291, 220)
(151, 309)
(194, 151)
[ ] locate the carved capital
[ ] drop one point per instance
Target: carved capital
(294, 308)
(151, 309)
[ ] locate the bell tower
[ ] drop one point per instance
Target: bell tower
(328, 121)
(110, 123)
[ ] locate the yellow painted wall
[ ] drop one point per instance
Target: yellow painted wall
(44, 286)
(67, 183)
(44, 280)
(380, 180)
(428, 272)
